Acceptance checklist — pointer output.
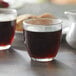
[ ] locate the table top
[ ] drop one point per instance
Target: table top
(16, 62)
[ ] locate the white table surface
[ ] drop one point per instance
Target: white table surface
(16, 62)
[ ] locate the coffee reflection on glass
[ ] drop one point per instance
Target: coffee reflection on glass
(42, 38)
(7, 27)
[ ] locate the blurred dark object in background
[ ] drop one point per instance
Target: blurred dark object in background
(3, 4)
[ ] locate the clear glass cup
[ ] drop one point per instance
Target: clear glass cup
(42, 38)
(7, 27)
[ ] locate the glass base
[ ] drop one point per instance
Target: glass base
(42, 60)
(5, 47)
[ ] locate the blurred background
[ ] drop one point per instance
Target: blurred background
(37, 7)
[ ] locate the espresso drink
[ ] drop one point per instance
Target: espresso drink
(7, 29)
(42, 43)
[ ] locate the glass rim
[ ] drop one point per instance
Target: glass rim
(59, 21)
(11, 10)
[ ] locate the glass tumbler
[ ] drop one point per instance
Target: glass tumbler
(7, 27)
(42, 38)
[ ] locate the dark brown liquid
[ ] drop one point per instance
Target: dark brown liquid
(43, 44)
(7, 30)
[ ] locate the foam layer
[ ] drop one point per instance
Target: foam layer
(6, 17)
